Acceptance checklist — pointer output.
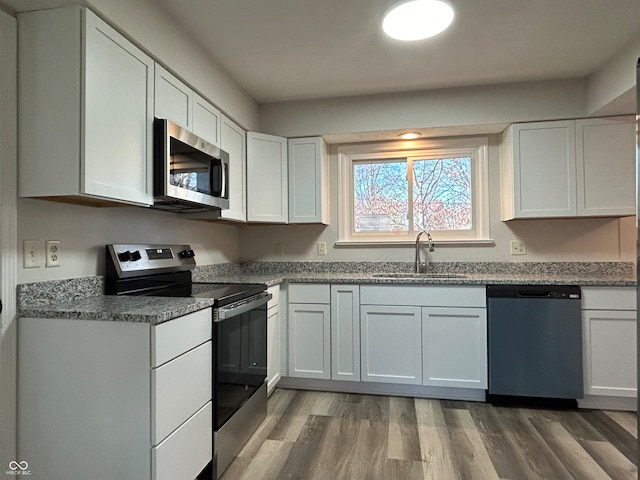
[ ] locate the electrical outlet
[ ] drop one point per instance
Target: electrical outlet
(32, 253)
(322, 248)
(518, 247)
(52, 255)
(280, 249)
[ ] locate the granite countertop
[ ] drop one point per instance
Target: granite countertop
(152, 310)
(397, 278)
(83, 298)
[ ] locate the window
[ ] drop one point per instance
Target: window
(390, 191)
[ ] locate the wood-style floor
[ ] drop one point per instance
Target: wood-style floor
(320, 435)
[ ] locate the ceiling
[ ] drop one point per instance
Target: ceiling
(280, 50)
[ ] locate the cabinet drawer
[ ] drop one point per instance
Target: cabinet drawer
(309, 293)
(608, 298)
(173, 338)
(180, 388)
(423, 295)
(275, 294)
(186, 451)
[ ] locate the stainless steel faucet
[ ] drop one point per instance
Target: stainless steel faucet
(431, 248)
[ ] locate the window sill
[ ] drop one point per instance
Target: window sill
(488, 242)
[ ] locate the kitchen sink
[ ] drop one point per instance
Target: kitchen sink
(421, 275)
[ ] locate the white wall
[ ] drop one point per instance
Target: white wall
(615, 82)
(482, 105)
(84, 232)
(594, 239)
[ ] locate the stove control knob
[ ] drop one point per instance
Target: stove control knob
(187, 254)
(129, 256)
(125, 256)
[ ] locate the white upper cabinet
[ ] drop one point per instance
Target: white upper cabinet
(176, 101)
(308, 181)
(606, 166)
(206, 120)
(233, 140)
(568, 168)
(85, 103)
(173, 99)
(267, 185)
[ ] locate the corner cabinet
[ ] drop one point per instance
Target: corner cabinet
(609, 321)
(113, 399)
(267, 179)
(176, 101)
(233, 140)
(86, 110)
(308, 181)
(572, 168)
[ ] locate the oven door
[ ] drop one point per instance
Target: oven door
(240, 355)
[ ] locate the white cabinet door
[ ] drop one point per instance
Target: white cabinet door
(308, 181)
(267, 182)
(85, 98)
(454, 347)
(233, 140)
(345, 332)
(206, 120)
(173, 99)
(609, 339)
(273, 348)
(606, 166)
(309, 340)
(540, 159)
(118, 116)
(391, 343)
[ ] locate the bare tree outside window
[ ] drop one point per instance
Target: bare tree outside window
(440, 193)
(380, 196)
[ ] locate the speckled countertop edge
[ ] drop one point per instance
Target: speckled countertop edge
(83, 298)
(153, 310)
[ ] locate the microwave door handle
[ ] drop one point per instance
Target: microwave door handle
(223, 190)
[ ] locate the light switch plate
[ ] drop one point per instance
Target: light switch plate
(33, 253)
(518, 247)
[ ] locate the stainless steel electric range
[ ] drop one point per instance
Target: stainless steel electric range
(239, 333)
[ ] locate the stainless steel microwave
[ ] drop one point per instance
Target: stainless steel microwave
(189, 173)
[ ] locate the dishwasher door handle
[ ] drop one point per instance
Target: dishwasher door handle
(533, 293)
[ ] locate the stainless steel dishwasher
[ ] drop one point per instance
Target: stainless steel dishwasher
(534, 344)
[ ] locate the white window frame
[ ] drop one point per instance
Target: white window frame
(475, 148)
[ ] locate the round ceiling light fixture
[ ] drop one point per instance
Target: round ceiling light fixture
(417, 19)
(410, 136)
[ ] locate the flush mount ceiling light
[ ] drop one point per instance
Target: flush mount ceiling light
(409, 135)
(417, 19)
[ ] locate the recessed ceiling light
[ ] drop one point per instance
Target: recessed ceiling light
(409, 135)
(417, 19)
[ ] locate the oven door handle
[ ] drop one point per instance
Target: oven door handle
(232, 310)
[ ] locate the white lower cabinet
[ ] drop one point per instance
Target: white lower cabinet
(309, 331)
(454, 347)
(609, 341)
(391, 344)
(114, 400)
(432, 335)
(345, 332)
(273, 338)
